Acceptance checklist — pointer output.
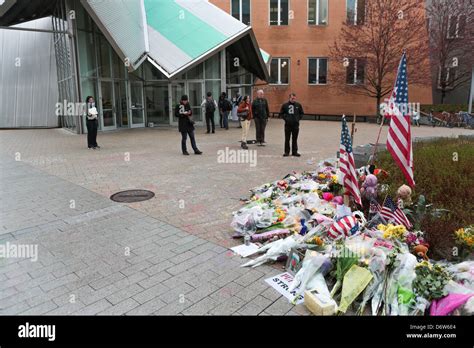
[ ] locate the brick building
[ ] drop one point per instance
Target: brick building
(297, 34)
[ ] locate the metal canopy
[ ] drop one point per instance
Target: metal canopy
(174, 35)
(18, 11)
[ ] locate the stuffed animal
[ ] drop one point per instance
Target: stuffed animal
(421, 251)
(404, 196)
(369, 187)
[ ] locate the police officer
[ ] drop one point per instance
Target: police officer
(292, 112)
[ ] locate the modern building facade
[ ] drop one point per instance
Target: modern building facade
(297, 35)
(137, 57)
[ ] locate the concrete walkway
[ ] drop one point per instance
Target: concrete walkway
(168, 255)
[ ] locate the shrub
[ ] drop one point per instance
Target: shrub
(444, 174)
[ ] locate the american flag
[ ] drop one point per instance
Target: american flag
(392, 213)
(346, 226)
(347, 164)
(399, 134)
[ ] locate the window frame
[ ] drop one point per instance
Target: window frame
(449, 69)
(279, 14)
(356, 12)
(457, 35)
(317, 70)
(317, 24)
(241, 13)
(279, 83)
(354, 80)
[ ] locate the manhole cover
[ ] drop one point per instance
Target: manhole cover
(131, 196)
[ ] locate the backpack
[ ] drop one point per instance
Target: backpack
(210, 106)
(227, 105)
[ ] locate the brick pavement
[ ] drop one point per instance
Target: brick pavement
(167, 255)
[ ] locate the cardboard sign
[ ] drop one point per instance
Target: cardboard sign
(282, 283)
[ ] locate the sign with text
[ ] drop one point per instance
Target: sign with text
(282, 283)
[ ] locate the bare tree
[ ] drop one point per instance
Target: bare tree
(451, 42)
(371, 45)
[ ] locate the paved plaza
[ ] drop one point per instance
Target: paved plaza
(168, 255)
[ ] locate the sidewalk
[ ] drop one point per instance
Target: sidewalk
(168, 255)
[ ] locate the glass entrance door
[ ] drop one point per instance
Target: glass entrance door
(196, 96)
(136, 104)
(107, 105)
(121, 110)
(157, 104)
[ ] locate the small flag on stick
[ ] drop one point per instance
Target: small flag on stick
(347, 164)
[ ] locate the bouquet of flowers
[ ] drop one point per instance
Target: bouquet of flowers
(465, 238)
(393, 231)
(431, 280)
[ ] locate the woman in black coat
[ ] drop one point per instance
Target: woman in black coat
(92, 123)
(186, 125)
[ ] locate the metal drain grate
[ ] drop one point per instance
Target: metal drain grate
(131, 196)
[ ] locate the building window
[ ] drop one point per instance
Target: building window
(280, 71)
(279, 12)
(317, 71)
(355, 12)
(456, 26)
(317, 12)
(447, 76)
(240, 9)
(355, 73)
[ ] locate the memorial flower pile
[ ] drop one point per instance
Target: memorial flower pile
(378, 267)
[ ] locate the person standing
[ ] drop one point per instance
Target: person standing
(210, 106)
(225, 107)
(92, 123)
(186, 125)
(416, 118)
(235, 105)
(245, 114)
(260, 114)
(292, 112)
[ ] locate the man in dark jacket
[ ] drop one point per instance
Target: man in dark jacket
(292, 112)
(225, 106)
(186, 125)
(260, 114)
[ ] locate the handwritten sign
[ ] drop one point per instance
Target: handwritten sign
(282, 283)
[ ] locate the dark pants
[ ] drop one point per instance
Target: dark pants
(184, 137)
(291, 131)
(260, 125)
(92, 132)
(210, 120)
(224, 120)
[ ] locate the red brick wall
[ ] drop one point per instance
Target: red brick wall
(298, 41)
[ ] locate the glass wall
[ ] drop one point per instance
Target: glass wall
(137, 99)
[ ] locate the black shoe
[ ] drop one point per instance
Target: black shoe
(244, 146)
(186, 153)
(213, 132)
(198, 152)
(286, 154)
(296, 155)
(94, 148)
(97, 146)
(89, 147)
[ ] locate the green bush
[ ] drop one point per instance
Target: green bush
(444, 174)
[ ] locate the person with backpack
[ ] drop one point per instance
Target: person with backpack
(184, 114)
(245, 114)
(225, 106)
(209, 105)
(260, 112)
(292, 112)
